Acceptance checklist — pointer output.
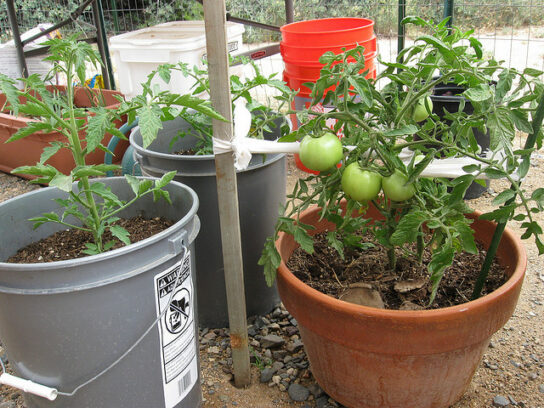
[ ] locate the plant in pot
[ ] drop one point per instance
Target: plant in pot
(27, 151)
(184, 145)
(85, 325)
(379, 260)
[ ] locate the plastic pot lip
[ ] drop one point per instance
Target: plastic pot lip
(304, 94)
(448, 98)
(170, 156)
(408, 315)
(198, 158)
(43, 266)
(364, 23)
(326, 47)
(313, 64)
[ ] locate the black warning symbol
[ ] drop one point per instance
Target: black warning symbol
(178, 312)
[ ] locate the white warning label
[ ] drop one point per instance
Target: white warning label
(176, 331)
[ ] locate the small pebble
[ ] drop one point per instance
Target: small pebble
(500, 401)
(267, 374)
(322, 402)
(272, 341)
(298, 392)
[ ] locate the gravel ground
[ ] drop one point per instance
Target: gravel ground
(510, 375)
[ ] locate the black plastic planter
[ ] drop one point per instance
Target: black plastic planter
(446, 98)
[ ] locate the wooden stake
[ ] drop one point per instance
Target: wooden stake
(227, 191)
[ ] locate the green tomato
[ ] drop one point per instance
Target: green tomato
(321, 153)
(422, 109)
(361, 185)
(395, 187)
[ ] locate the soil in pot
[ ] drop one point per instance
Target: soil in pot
(363, 276)
(69, 244)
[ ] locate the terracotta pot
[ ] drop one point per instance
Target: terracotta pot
(367, 357)
(27, 151)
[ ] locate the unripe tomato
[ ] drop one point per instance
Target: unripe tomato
(423, 107)
(395, 187)
(321, 153)
(361, 185)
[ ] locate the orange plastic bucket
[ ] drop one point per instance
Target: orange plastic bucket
(312, 71)
(296, 83)
(302, 44)
(327, 32)
(312, 54)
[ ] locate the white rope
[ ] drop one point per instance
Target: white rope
(243, 147)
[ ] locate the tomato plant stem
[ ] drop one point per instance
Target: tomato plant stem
(494, 245)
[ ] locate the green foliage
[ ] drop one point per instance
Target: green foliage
(265, 114)
(92, 206)
(377, 124)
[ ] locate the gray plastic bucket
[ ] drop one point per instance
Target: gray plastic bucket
(62, 323)
(261, 190)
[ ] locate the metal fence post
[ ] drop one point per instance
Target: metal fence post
(102, 41)
(17, 38)
(401, 33)
(289, 12)
(448, 11)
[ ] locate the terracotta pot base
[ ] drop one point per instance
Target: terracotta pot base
(418, 374)
(368, 358)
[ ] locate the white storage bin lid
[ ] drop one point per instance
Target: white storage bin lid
(174, 36)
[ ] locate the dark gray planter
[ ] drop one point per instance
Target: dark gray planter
(447, 98)
(261, 189)
(64, 322)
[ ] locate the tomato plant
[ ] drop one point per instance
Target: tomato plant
(359, 184)
(321, 153)
(396, 187)
(380, 136)
(423, 109)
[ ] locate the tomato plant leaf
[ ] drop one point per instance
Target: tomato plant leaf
(363, 89)
(304, 240)
(271, 260)
(101, 190)
(50, 151)
(62, 182)
(407, 229)
(120, 233)
(7, 87)
(43, 218)
(334, 242)
(502, 130)
(165, 179)
(96, 128)
(440, 260)
(150, 123)
(466, 237)
(480, 93)
(30, 129)
(402, 131)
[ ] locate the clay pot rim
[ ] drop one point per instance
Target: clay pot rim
(20, 121)
(410, 315)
